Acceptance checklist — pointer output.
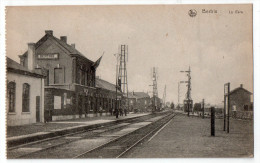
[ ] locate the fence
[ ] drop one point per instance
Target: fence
(242, 114)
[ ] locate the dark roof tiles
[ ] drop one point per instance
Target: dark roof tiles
(16, 67)
(12, 64)
(105, 85)
(239, 88)
(138, 95)
(69, 48)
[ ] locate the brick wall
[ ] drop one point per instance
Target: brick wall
(64, 61)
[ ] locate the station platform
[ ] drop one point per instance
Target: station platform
(32, 132)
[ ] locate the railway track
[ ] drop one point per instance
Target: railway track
(36, 149)
(118, 147)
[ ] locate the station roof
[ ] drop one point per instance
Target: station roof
(239, 88)
(100, 83)
(69, 48)
(138, 95)
(15, 67)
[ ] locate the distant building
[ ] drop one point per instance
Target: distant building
(139, 101)
(240, 102)
(168, 104)
(207, 107)
(180, 107)
(70, 84)
(25, 94)
(143, 101)
(132, 101)
(197, 107)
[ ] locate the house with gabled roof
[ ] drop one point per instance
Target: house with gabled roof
(70, 88)
(240, 103)
(139, 101)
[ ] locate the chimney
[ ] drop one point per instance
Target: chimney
(63, 38)
(49, 32)
(73, 45)
(133, 93)
(241, 85)
(31, 56)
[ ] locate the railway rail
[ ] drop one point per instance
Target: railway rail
(64, 146)
(118, 147)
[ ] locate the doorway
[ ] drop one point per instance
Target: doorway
(37, 108)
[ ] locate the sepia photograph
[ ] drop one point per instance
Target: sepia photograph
(129, 81)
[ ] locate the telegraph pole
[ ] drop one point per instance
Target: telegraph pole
(203, 109)
(188, 94)
(226, 97)
(224, 127)
(178, 94)
(228, 107)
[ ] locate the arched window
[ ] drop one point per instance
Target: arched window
(11, 96)
(26, 97)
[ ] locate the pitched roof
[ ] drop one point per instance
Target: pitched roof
(138, 95)
(130, 95)
(141, 95)
(100, 83)
(239, 88)
(15, 67)
(71, 50)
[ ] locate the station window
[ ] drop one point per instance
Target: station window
(11, 96)
(82, 77)
(58, 76)
(79, 76)
(246, 108)
(64, 100)
(91, 104)
(86, 78)
(89, 78)
(46, 80)
(26, 98)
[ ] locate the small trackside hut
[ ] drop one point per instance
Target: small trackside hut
(241, 103)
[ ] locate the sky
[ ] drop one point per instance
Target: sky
(216, 46)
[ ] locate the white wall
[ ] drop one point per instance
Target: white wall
(36, 89)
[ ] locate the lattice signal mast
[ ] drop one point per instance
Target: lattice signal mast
(155, 77)
(122, 76)
(188, 101)
(155, 91)
(164, 97)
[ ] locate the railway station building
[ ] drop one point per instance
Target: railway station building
(70, 84)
